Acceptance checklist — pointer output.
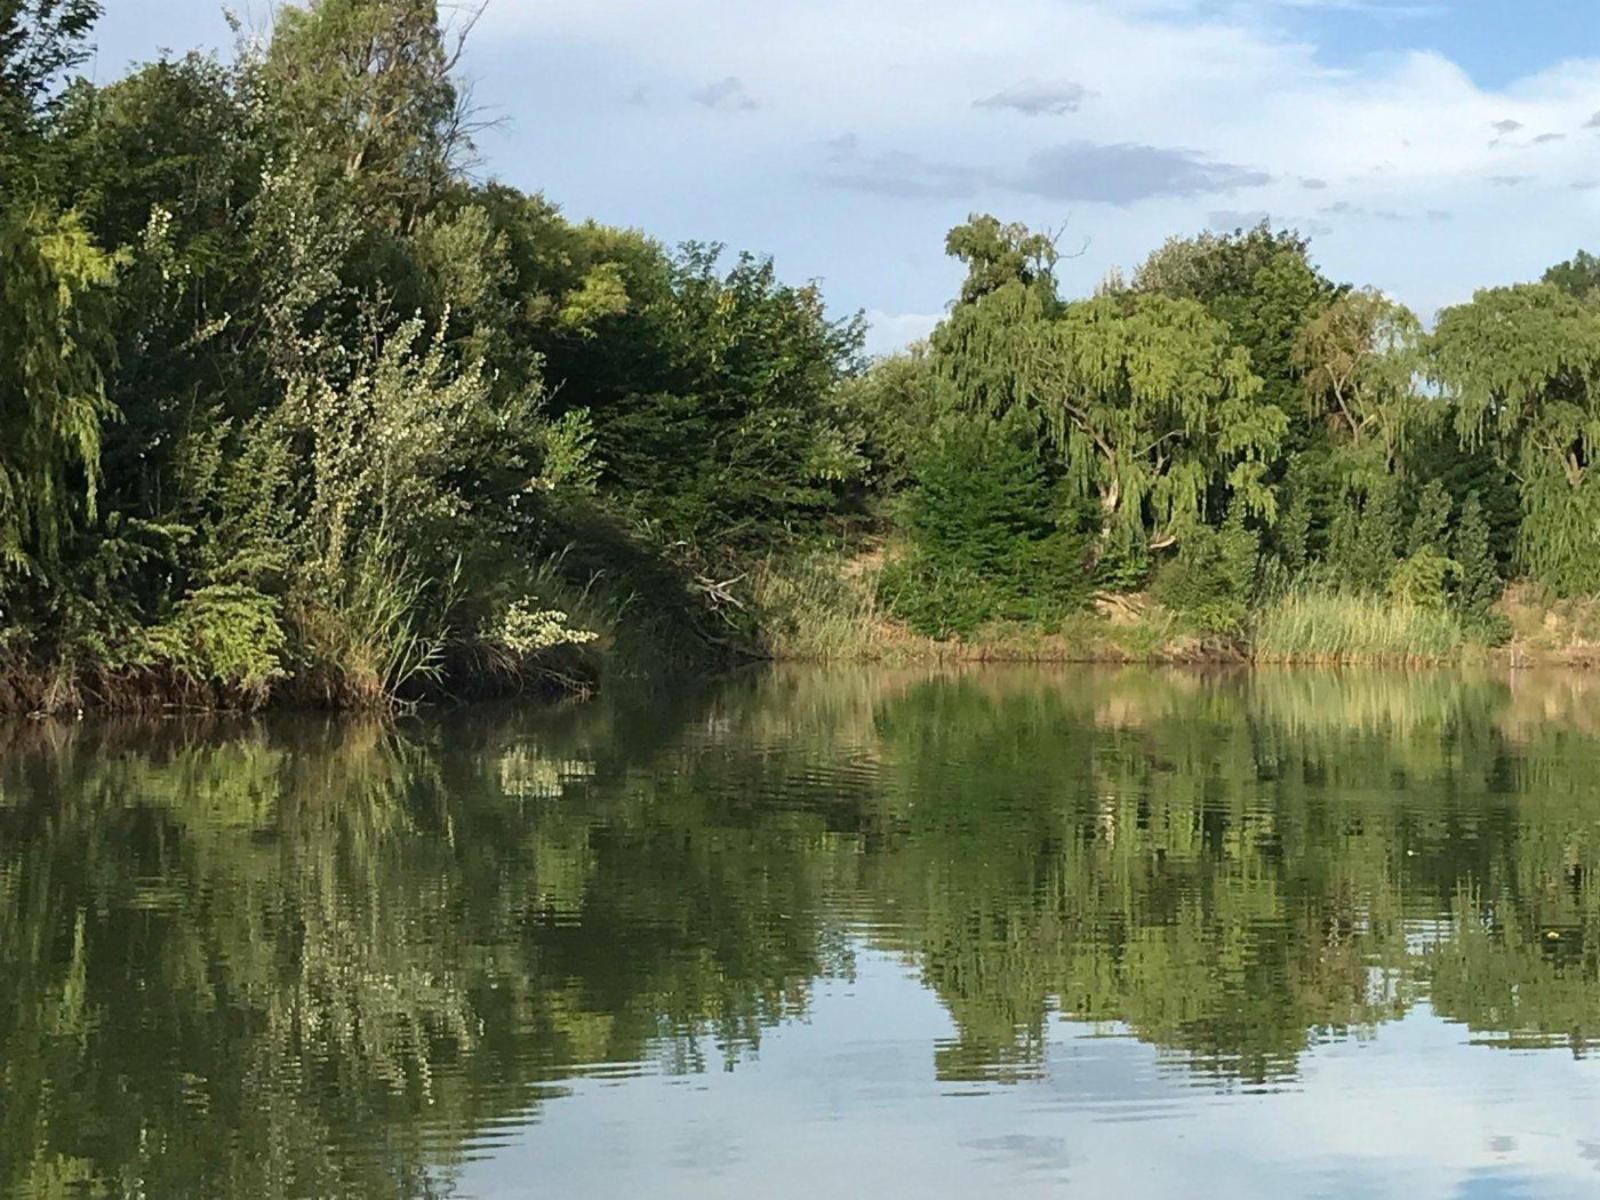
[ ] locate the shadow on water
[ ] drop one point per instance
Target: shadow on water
(311, 957)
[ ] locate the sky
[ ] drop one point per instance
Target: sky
(1427, 147)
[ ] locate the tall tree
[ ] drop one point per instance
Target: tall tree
(40, 40)
(1522, 365)
(1579, 276)
(365, 90)
(52, 328)
(1261, 283)
(1358, 359)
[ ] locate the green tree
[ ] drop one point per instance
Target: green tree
(1358, 358)
(1261, 284)
(1146, 399)
(990, 536)
(53, 281)
(1579, 276)
(1431, 524)
(1521, 364)
(40, 40)
(1480, 584)
(1367, 535)
(362, 91)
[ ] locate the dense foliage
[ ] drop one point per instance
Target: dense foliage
(292, 404)
(288, 403)
(1247, 430)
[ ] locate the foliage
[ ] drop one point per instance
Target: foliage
(1367, 536)
(1579, 276)
(1319, 625)
(53, 280)
(1520, 365)
(1480, 584)
(1423, 578)
(1358, 359)
(989, 536)
(1212, 579)
(1261, 284)
(293, 405)
(1147, 400)
(1143, 399)
(525, 629)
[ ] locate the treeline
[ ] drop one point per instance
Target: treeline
(1245, 438)
(291, 404)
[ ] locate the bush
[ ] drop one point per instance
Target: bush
(991, 537)
(1213, 576)
(1423, 578)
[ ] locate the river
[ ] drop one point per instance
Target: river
(817, 933)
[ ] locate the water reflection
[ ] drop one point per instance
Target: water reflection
(314, 958)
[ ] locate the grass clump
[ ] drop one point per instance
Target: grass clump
(1317, 624)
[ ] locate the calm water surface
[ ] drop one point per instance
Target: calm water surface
(817, 934)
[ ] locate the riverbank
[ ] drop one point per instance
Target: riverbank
(828, 609)
(825, 610)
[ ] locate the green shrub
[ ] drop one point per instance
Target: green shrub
(1423, 578)
(1479, 584)
(990, 536)
(1212, 578)
(227, 636)
(1365, 540)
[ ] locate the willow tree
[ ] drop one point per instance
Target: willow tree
(1522, 365)
(1358, 361)
(52, 397)
(1146, 402)
(1149, 402)
(363, 91)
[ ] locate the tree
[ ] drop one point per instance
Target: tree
(1367, 534)
(1260, 283)
(1146, 398)
(720, 421)
(1522, 366)
(363, 89)
(997, 254)
(53, 281)
(1358, 358)
(40, 40)
(1431, 524)
(990, 537)
(1479, 585)
(1579, 276)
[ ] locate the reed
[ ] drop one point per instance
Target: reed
(1317, 625)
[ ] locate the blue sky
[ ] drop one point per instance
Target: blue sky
(1427, 147)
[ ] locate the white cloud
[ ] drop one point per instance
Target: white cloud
(1199, 105)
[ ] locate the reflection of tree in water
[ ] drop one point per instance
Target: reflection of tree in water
(314, 958)
(313, 962)
(1236, 874)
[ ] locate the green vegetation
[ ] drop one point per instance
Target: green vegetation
(1310, 625)
(292, 406)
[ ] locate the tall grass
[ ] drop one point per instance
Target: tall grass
(1318, 625)
(820, 607)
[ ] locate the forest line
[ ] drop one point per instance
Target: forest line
(294, 407)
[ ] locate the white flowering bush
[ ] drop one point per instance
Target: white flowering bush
(526, 630)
